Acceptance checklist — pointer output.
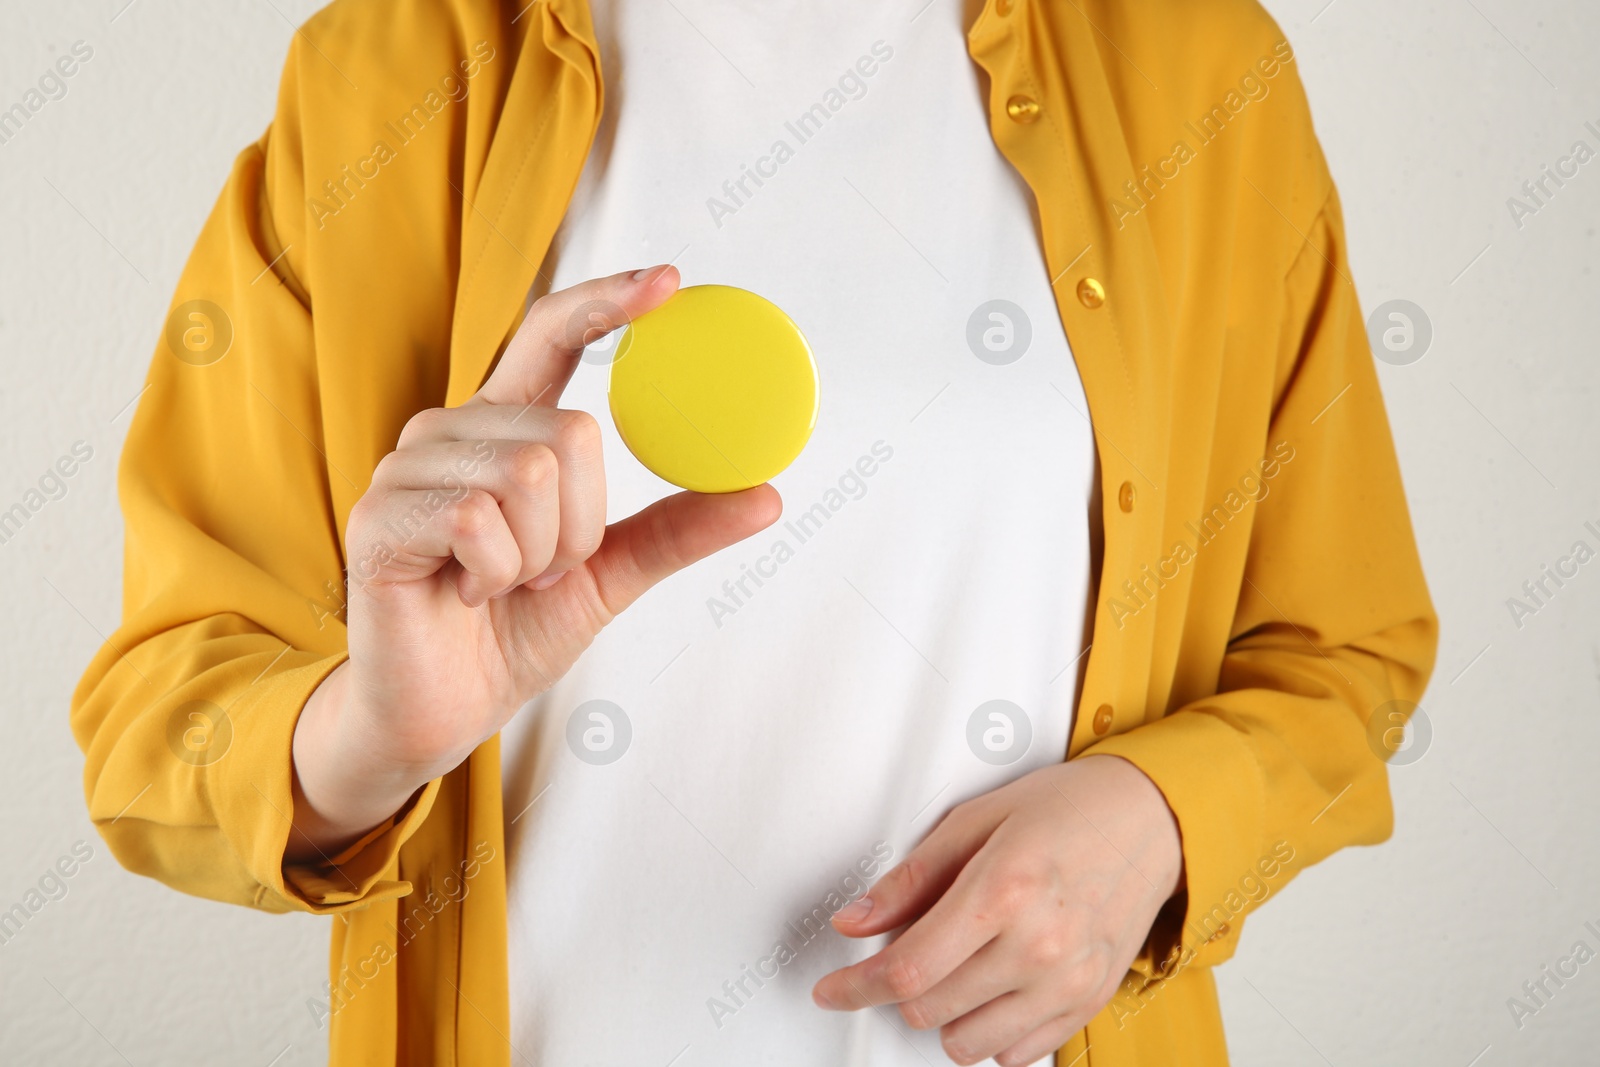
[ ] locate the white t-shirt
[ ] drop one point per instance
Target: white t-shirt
(766, 733)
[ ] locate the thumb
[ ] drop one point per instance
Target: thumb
(670, 534)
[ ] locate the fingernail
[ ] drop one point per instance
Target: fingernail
(548, 580)
(650, 274)
(854, 911)
(821, 1000)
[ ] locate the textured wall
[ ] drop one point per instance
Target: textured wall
(1433, 115)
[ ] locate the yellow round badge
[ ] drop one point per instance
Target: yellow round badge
(715, 390)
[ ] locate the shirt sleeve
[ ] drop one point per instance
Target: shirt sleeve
(233, 575)
(1332, 641)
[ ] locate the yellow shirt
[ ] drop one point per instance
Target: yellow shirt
(1260, 610)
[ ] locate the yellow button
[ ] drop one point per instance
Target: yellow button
(1102, 719)
(1222, 932)
(1091, 294)
(1022, 109)
(715, 390)
(1002, 7)
(1125, 496)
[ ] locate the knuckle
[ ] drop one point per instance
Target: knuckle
(577, 432)
(1046, 949)
(1077, 984)
(542, 308)
(966, 813)
(903, 978)
(584, 541)
(472, 515)
(383, 473)
(361, 513)
(505, 570)
(967, 819)
(956, 817)
(593, 318)
(911, 877)
(496, 572)
(1015, 888)
(919, 1014)
(532, 466)
(424, 424)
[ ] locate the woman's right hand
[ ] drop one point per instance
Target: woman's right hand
(480, 567)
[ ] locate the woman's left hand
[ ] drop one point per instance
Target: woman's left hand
(1026, 907)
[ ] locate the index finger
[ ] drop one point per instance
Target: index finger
(944, 938)
(541, 357)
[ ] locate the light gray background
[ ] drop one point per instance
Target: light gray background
(1432, 114)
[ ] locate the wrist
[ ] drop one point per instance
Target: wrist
(342, 787)
(1150, 834)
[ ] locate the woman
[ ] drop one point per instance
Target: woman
(1076, 657)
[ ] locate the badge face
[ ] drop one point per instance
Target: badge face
(715, 390)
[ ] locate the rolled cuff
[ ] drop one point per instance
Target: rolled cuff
(1215, 788)
(254, 796)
